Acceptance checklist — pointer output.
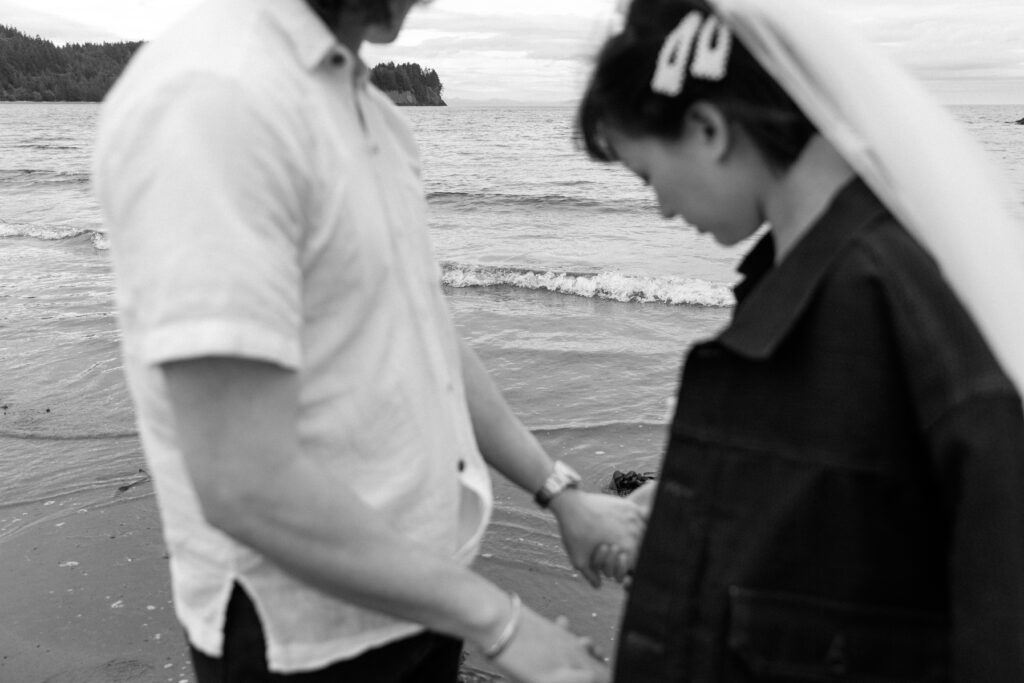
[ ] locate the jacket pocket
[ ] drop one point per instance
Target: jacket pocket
(787, 637)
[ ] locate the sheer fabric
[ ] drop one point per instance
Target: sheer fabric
(909, 149)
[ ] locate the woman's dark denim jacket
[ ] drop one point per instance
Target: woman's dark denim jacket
(843, 494)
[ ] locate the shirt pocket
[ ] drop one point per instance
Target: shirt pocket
(788, 637)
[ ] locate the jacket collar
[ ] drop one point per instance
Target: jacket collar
(771, 299)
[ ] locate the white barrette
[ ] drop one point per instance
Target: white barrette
(670, 73)
(710, 59)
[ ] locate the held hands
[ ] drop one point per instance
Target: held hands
(546, 652)
(592, 521)
(616, 561)
(643, 495)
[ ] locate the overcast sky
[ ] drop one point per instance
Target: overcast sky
(967, 51)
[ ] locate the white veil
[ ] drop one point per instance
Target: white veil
(912, 153)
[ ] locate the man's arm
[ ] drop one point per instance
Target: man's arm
(587, 520)
(237, 423)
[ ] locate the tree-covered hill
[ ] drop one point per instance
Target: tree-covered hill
(409, 84)
(36, 69)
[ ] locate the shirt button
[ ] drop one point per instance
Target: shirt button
(337, 60)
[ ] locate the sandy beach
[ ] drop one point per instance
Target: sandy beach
(86, 595)
(87, 598)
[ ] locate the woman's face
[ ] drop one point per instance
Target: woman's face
(693, 179)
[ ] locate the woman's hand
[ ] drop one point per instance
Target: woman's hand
(590, 520)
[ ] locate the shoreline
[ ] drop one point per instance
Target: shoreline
(87, 595)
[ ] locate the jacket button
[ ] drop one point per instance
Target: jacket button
(462, 465)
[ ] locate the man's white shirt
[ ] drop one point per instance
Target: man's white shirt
(264, 202)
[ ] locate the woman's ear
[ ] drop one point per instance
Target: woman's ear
(706, 122)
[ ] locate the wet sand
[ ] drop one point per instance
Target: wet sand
(86, 596)
(86, 599)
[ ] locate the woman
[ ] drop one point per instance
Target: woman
(841, 495)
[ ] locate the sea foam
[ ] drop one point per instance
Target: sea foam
(52, 233)
(604, 285)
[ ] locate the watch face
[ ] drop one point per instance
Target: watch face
(566, 473)
(561, 478)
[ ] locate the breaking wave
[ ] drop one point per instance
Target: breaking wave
(603, 285)
(53, 233)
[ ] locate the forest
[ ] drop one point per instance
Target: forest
(409, 83)
(36, 69)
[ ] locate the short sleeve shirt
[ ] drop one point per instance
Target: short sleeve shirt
(263, 201)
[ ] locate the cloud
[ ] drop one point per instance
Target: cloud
(940, 41)
(96, 20)
(484, 51)
(56, 28)
(541, 49)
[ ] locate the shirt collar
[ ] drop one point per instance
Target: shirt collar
(771, 299)
(311, 40)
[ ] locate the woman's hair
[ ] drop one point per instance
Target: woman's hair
(620, 93)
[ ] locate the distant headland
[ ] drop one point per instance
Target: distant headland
(34, 69)
(409, 84)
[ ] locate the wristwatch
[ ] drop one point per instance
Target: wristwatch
(561, 478)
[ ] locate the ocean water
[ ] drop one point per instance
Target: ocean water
(560, 272)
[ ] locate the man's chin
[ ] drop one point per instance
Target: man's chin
(380, 36)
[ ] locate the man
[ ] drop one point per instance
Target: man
(314, 425)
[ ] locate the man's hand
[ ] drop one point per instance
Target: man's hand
(612, 560)
(546, 652)
(591, 520)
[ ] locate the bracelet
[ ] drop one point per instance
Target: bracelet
(507, 633)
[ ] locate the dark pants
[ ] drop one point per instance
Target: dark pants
(424, 658)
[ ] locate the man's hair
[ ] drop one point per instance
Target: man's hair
(620, 94)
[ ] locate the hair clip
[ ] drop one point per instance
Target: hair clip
(711, 58)
(710, 54)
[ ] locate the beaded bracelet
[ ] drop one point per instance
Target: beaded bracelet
(507, 633)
